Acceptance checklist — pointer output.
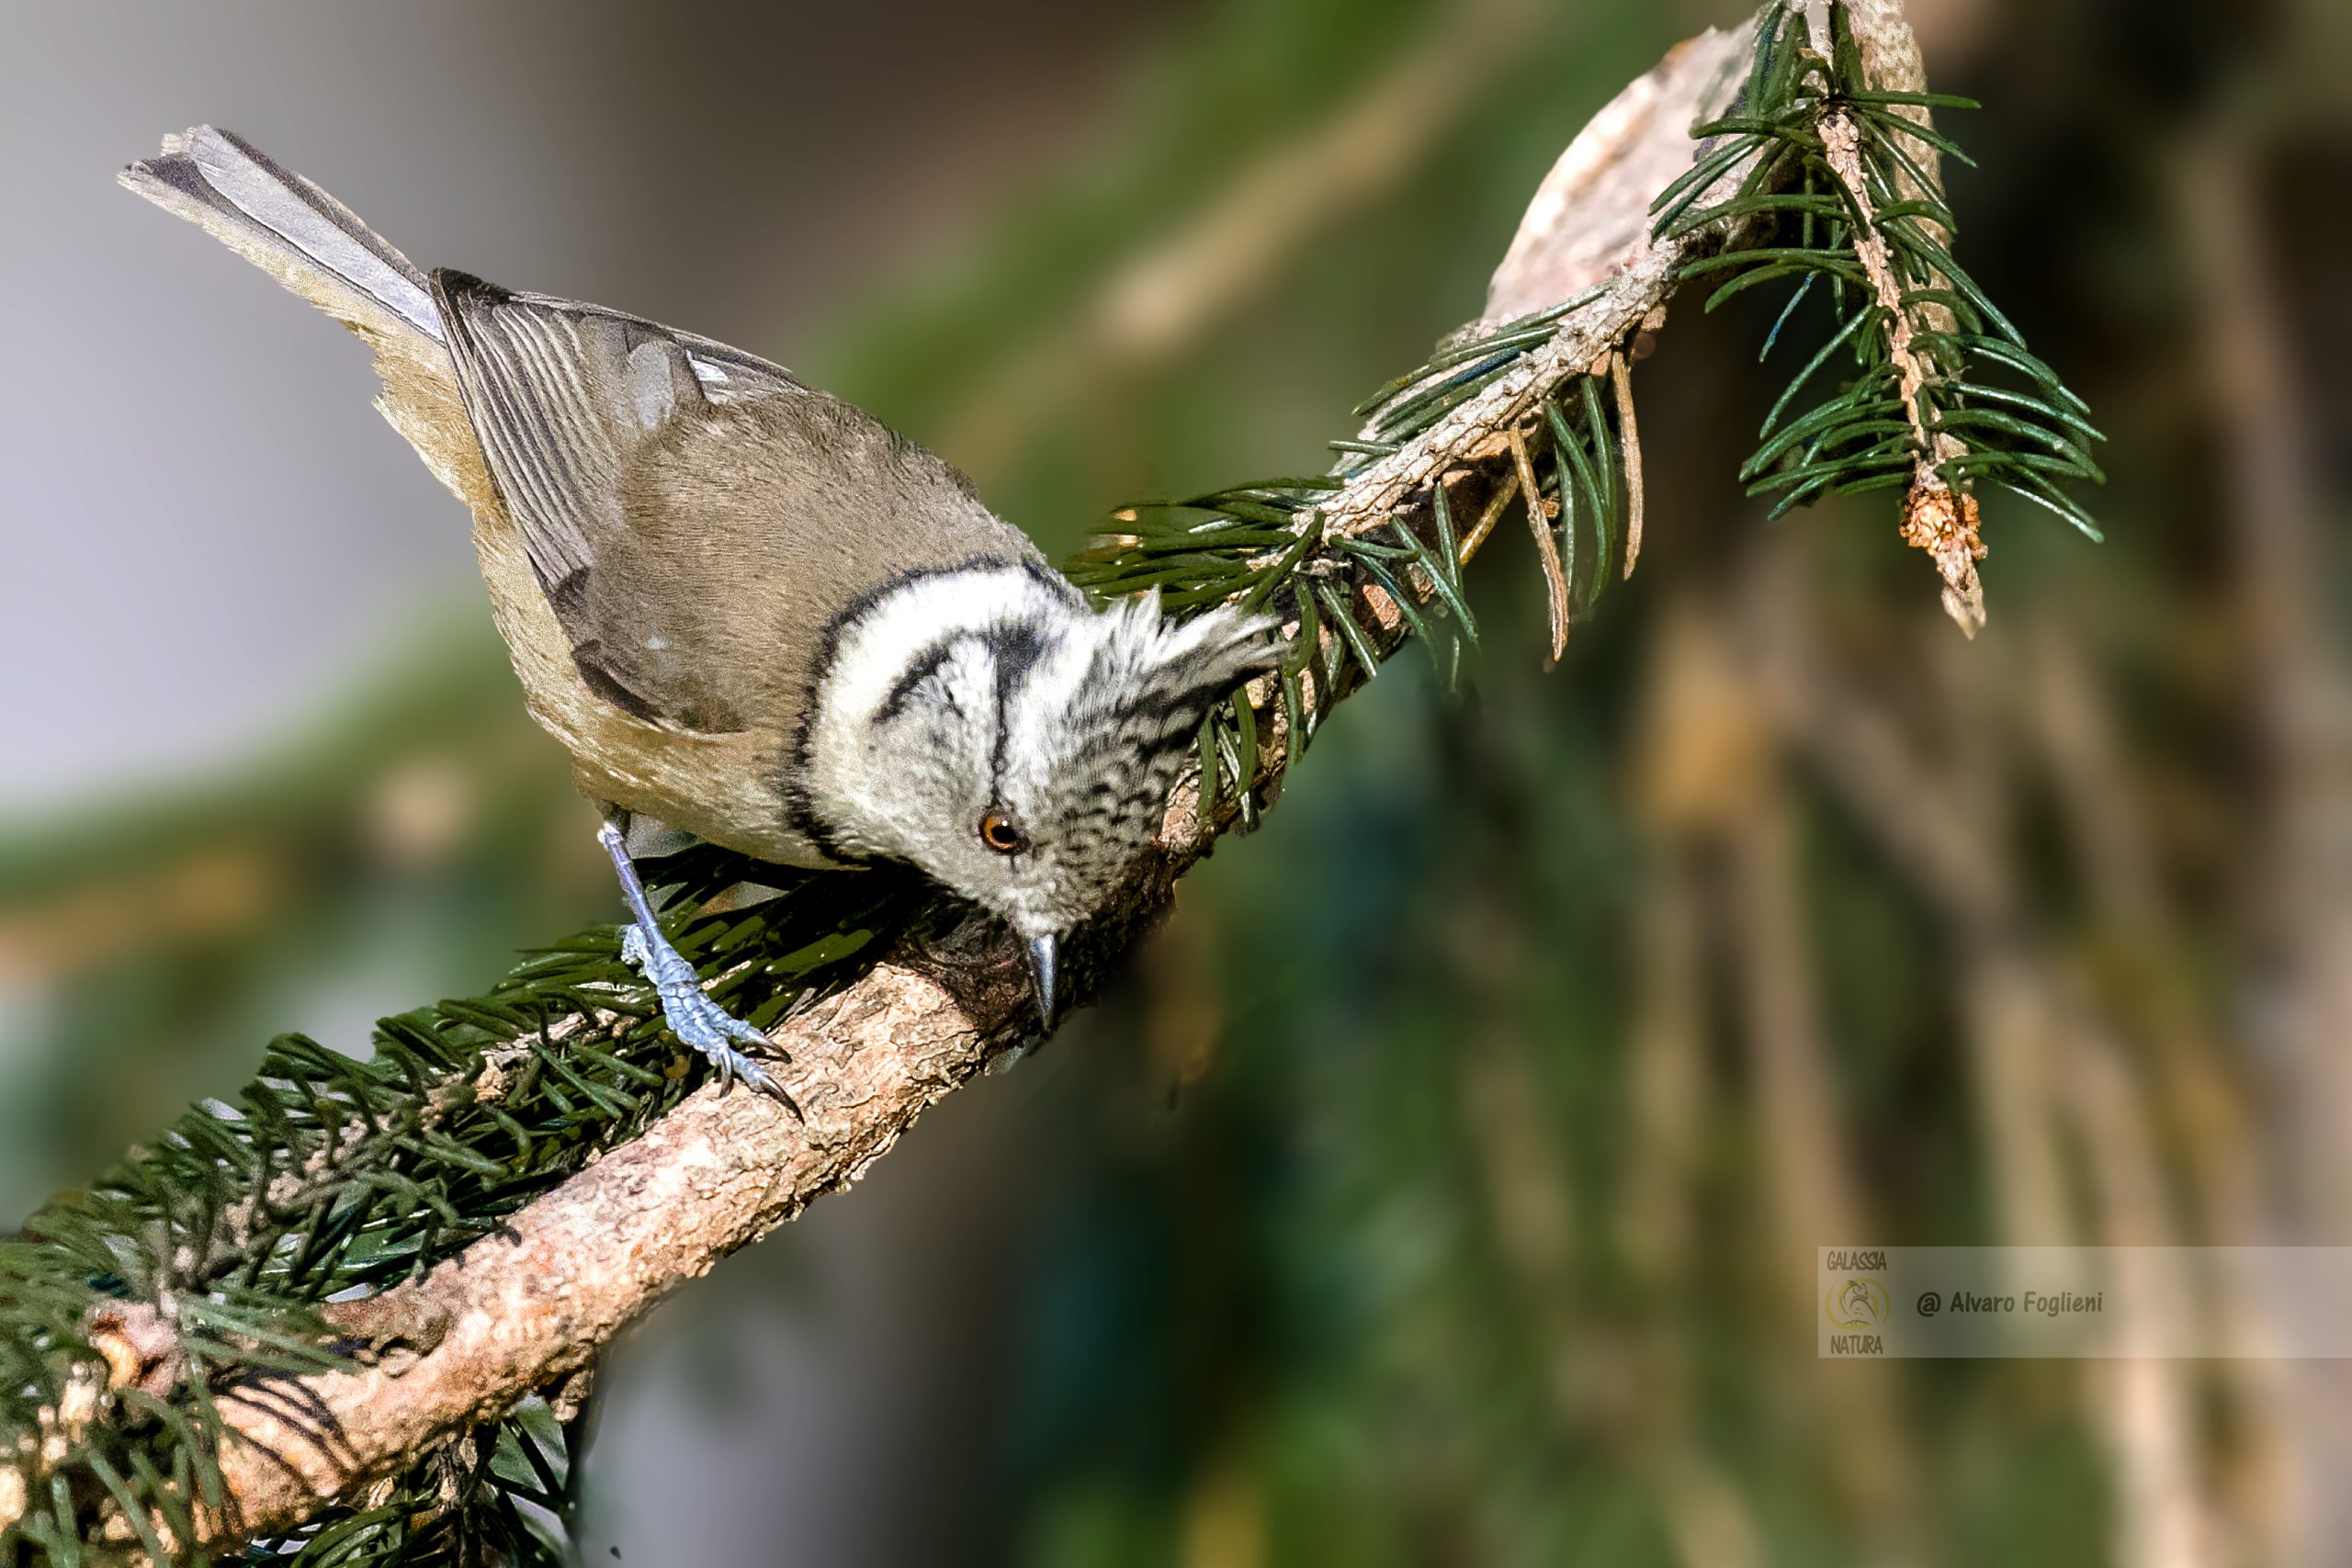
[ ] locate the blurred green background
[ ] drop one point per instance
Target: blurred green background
(1444, 1185)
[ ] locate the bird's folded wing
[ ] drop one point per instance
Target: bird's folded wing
(563, 398)
(545, 389)
(694, 515)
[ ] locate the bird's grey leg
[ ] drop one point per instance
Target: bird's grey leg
(692, 1016)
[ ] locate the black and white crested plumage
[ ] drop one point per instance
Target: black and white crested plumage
(996, 695)
(745, 606)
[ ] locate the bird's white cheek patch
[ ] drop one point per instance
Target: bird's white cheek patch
(872, 784)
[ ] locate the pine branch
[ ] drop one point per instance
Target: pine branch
(316, 1322)
(1833, 136)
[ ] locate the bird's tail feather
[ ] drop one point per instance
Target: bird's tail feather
(318, 248)
(289, 227)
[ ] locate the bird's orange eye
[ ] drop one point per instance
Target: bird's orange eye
(998, 832)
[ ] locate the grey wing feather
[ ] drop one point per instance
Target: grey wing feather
(538, 385)
(730, 375)
(561, 397)
(560, 393)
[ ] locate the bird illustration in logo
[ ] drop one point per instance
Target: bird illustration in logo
(1858, 1304)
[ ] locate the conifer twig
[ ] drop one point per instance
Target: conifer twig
(1547, 549)
(1621, 376)
(1936, 518)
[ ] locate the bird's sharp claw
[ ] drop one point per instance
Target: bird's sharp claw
(694, 1018)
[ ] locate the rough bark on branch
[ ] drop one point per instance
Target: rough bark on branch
(523, 1310)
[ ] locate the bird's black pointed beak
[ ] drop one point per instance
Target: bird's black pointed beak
(1041, 964)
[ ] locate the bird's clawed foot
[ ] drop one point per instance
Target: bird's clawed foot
(693, 1018)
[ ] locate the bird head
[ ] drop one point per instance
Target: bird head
(991, 728)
